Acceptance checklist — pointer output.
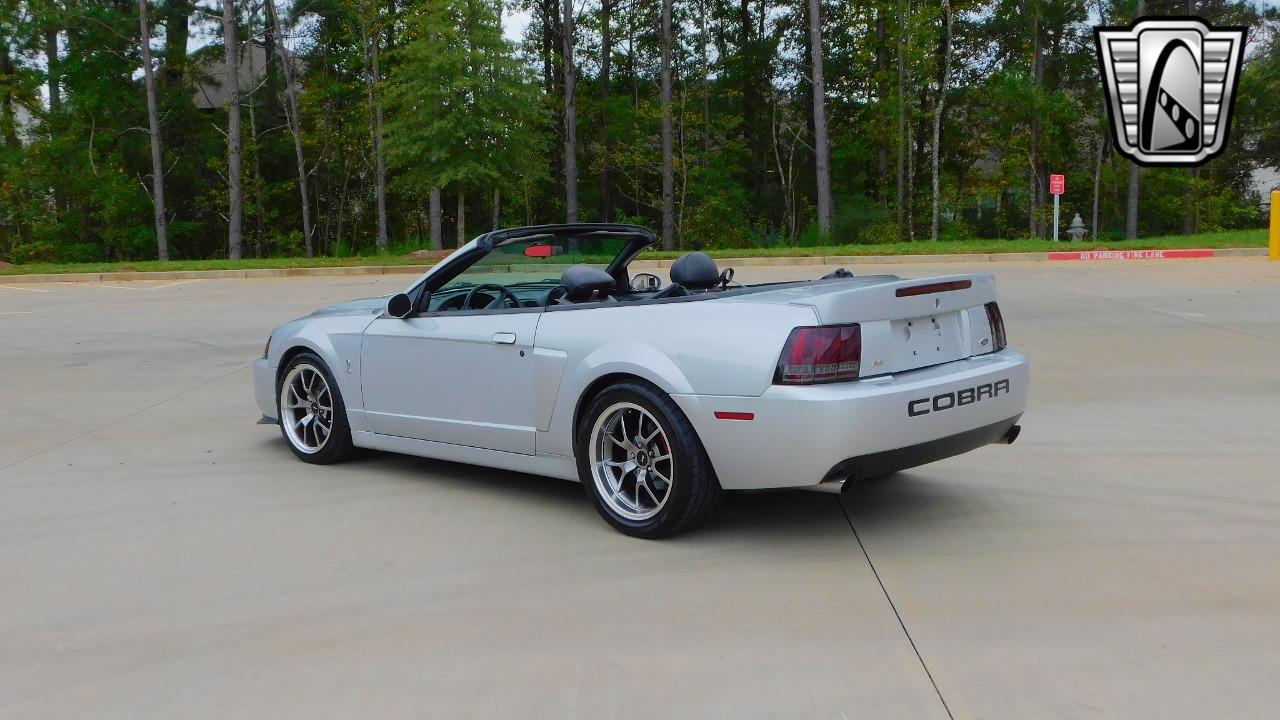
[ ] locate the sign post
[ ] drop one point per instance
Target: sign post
(1274, 253)
(1057, 186)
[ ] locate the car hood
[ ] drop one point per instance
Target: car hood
(365, 306)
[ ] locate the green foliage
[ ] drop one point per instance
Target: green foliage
(463, 107)
(880, 233)
(467, 111)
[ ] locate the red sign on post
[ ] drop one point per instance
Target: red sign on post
(1057, 184)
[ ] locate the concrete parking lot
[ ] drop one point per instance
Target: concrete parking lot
(163, 557)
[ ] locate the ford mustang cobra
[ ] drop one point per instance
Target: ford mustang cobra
(538, 350)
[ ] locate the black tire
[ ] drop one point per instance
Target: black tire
(337, 445)
(694, 490)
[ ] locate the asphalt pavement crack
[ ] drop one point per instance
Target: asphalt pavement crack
(893, 606)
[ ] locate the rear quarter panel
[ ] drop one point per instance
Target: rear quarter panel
(705, 347)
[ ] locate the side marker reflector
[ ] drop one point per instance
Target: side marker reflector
(721, 415)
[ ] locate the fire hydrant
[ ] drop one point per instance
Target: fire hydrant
(1077, 230)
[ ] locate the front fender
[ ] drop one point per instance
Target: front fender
(336, 340)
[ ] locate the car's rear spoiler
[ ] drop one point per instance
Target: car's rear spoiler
(887, 298)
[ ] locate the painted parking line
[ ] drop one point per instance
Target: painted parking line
(17, 312)
(136, 284)
(1173, 254)
(28, 289)
(172, 284)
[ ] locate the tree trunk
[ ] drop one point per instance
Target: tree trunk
(53, 65)
(606, 142)
(235, 193)
(882, 145)
(570, 120)
(260, 237)
(153, 123)
(379, 159)
(295, 126)
(668, 162)
(1033, 154)
(8, 118)
(751, 98)
(821, 142)
(436, 213)
(462, 217)
(1131, 212)
(706, 82)
(937, 116)
(497, 209)
(1191, 220)
(53, 69)
(902, 118)
(1097, 183)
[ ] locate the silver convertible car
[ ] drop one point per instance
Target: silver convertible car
(536, 350)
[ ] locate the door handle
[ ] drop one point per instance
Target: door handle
(504, 338)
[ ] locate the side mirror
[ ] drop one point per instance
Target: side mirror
(400, 306)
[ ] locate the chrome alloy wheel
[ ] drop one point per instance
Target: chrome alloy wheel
(306, 408)
(631, 462)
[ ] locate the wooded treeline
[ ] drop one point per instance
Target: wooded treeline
(133, 129)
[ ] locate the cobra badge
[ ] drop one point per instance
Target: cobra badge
(1170, 85)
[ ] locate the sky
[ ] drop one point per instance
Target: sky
(514, 23)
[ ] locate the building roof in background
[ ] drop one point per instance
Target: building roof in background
(210, 92)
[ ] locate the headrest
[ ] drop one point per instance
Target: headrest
(695, 271)
(580, 281)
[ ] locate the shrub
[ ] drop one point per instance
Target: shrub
(880, 233)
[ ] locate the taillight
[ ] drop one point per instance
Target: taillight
(812, 355)
(997, 327)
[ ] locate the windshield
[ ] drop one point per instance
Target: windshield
(537, 262)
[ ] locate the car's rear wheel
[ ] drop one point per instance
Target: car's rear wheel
(642, 463)
(313, 418)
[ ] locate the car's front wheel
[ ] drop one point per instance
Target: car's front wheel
(642, 463)
(313, 418)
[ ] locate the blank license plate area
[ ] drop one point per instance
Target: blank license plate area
(927, 340)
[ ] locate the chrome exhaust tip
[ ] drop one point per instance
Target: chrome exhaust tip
(837, 486)
(1010, 435)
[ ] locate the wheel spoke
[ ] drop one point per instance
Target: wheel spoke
(656, 502)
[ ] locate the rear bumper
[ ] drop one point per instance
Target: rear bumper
(847, 472)
(800, 436)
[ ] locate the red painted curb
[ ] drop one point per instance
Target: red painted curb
(1131, 254)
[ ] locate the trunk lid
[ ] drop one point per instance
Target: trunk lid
(906, 324)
